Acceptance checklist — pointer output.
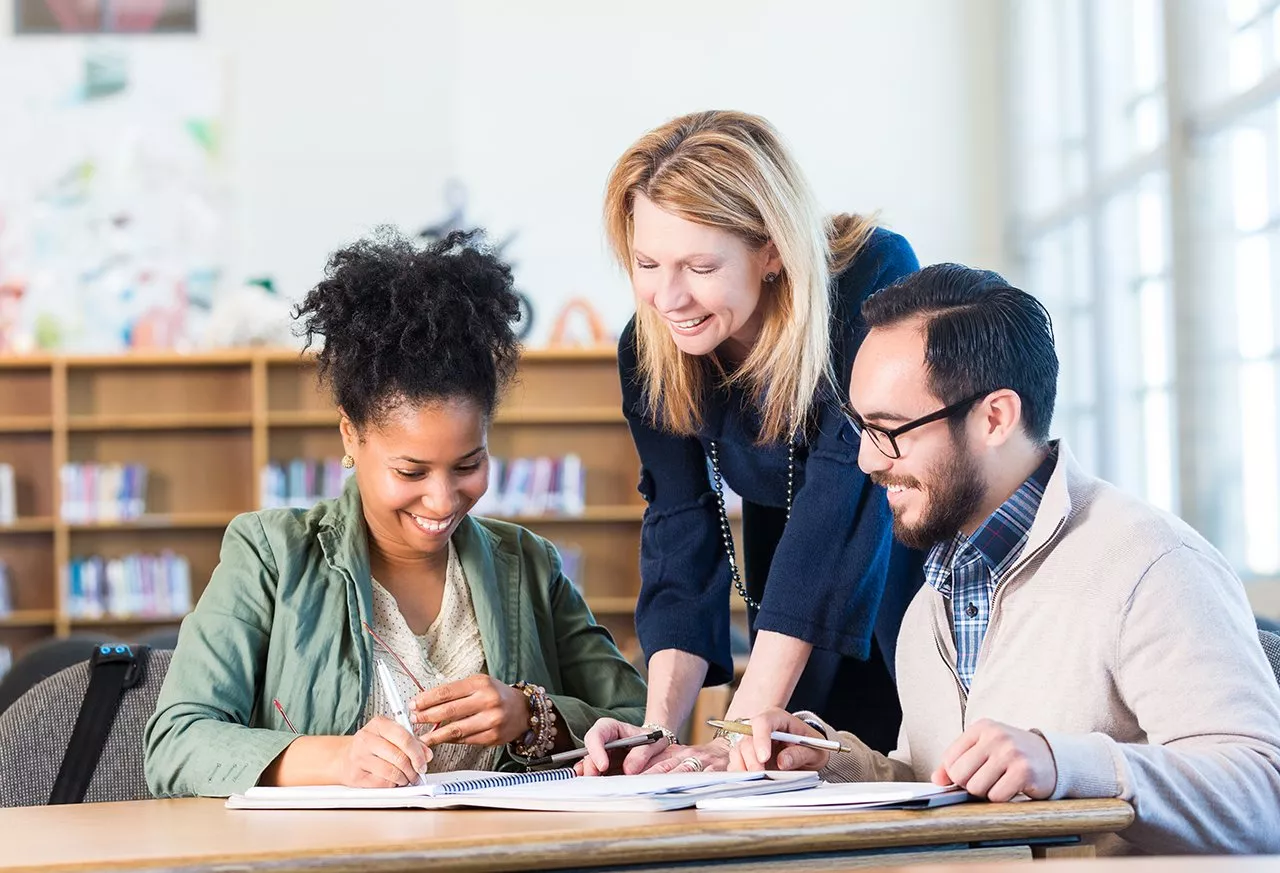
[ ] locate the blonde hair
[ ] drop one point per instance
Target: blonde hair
(729, 170)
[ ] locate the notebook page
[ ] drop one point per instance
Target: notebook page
(438, 785)
(837, 794)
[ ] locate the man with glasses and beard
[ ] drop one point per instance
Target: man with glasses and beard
(1070, 640)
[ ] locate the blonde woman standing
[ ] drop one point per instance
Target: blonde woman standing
(738, 360)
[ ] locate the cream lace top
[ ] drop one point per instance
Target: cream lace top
(450, 649)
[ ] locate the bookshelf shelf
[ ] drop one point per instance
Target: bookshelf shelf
(593, 514)
(29, 525)
(564, 415)
(161, 421)
(28, 618)
(121, 620)
(25, 423)
(303, 418)
(611, 605)
(170, 521)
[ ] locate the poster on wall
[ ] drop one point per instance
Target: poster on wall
(49, 17)
(113, 196)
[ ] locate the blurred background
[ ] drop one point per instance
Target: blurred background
(174, 173)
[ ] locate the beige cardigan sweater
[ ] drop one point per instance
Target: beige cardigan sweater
(1126, 639)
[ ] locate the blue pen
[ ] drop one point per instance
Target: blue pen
(396, 703)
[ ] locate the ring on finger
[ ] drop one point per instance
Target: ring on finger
(692, 763)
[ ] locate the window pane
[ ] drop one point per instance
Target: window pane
(1157, 424)
(1245, 59)
(1078, 370)
(1048, 102)
(1254, 318)
(1084, 441)
(1258, 461)
(1151, 226)
(1241, 11)
(1127, 63)
(1153, 318)
(1148, 123)
(1249, 175)
(1147, 40)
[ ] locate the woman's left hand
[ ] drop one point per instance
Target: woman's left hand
(478, 711)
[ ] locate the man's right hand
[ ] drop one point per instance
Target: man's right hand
(606, 730)
(759, 752)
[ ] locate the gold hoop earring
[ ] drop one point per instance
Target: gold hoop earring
(348, 462)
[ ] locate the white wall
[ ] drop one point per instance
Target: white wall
(345, 115)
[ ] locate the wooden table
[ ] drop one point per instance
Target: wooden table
(202, 835)
(1195, 864)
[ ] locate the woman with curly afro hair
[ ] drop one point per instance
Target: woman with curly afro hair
(275, 680)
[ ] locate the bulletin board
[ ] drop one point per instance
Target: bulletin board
(113, 193)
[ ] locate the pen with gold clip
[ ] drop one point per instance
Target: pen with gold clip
(742, 727)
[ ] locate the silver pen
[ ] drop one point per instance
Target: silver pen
(396, 702)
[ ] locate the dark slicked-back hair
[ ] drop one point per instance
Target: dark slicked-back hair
(981, 334)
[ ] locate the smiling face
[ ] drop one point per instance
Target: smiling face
(419, 473)
(703, 281)
(938, 485)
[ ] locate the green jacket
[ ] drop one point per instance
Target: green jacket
(281, 617)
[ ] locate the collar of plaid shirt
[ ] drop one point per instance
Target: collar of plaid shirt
(966, 569)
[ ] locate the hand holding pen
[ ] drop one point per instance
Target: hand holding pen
(778, 740)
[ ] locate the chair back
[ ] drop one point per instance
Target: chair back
(35, 731)
(1271, 645)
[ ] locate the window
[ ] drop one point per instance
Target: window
(1129, 130)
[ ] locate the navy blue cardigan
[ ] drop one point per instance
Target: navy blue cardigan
(829, 572)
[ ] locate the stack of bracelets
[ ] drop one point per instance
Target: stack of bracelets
(540, 739)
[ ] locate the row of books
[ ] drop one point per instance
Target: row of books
(8, 495)
(6, 591)
(535, 486)
(571, 562)
(301, 482)
(102, 492)
(137, 585)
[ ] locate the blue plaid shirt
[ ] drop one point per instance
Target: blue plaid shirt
(966, 570)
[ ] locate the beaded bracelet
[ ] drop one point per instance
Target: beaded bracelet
(540, 738)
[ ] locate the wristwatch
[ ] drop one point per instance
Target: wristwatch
(668, 734)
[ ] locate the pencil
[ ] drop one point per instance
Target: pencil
(280, 709)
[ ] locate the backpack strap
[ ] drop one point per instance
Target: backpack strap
(113, 669)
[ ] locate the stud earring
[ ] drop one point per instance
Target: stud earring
(348, 462)
(770, 278)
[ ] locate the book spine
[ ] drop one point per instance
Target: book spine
(8, 495)
(6, 592)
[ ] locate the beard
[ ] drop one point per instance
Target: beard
(953, 491)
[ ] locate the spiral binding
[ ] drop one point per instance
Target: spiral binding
(506, 780)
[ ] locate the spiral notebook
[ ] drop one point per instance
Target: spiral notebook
(847, 796)
(548, 790)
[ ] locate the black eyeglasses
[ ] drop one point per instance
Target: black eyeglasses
(886, 440)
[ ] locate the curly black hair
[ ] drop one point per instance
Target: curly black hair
(407, 324)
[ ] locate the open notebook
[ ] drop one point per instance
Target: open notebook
(552, 790)
(841, 796)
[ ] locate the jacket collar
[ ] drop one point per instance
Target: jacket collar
(485, 563)
(1063, 494)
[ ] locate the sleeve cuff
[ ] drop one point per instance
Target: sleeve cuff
(1086, 765)
(259, 748)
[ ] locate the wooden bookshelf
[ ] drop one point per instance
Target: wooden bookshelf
(206, 424)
